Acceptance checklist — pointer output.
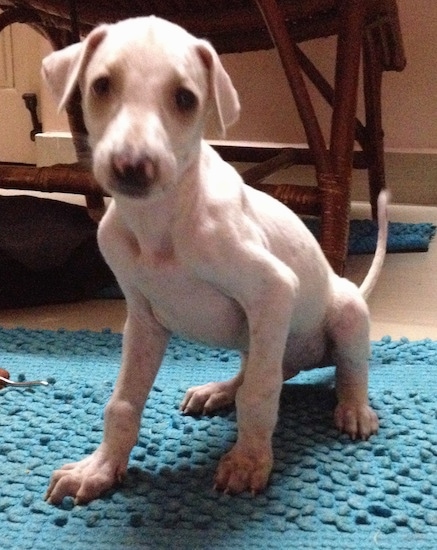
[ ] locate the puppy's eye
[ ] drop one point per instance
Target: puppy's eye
(101, 86)
(186, 101)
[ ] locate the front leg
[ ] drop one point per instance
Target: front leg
(144, 343)
(269, 309)
(248, 465)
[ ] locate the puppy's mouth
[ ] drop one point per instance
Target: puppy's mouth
(132, 179)
(130, 188)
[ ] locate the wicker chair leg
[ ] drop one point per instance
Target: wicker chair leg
(285, 46)
(333, 169)
(95, 202)
(336, 192)
(373, 69)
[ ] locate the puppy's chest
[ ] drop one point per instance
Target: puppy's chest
(186, 304)
(181, 301)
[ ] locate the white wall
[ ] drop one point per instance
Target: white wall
(19, 74)
(409, 97)
(409, 103)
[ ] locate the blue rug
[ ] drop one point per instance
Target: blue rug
(402, 237)
(325, 492)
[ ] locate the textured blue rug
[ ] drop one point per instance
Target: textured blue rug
(402, 237)
(326, 491)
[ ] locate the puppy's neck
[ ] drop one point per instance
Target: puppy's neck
(149, 220)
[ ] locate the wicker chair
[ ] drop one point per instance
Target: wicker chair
(364, 27)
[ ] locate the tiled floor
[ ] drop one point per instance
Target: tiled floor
(404, 303)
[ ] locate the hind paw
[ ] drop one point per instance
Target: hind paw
(358, 421)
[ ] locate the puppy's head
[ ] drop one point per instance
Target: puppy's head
(147, 87)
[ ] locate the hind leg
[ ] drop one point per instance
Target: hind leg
(348, 327)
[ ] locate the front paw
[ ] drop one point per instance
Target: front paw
(85, 480)
(357, 420)
(240, 471)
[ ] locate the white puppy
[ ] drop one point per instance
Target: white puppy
(199, 253)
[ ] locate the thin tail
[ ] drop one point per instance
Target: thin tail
(381, 246)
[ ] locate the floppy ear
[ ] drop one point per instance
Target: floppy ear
(224, 94)
(62, 69)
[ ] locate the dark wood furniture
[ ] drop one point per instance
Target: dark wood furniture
(366, 30)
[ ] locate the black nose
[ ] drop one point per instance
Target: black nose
(131, 176)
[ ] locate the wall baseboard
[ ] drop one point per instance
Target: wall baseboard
(54, 148)
(411, 175)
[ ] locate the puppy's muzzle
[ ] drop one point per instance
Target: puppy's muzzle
(133, 176)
